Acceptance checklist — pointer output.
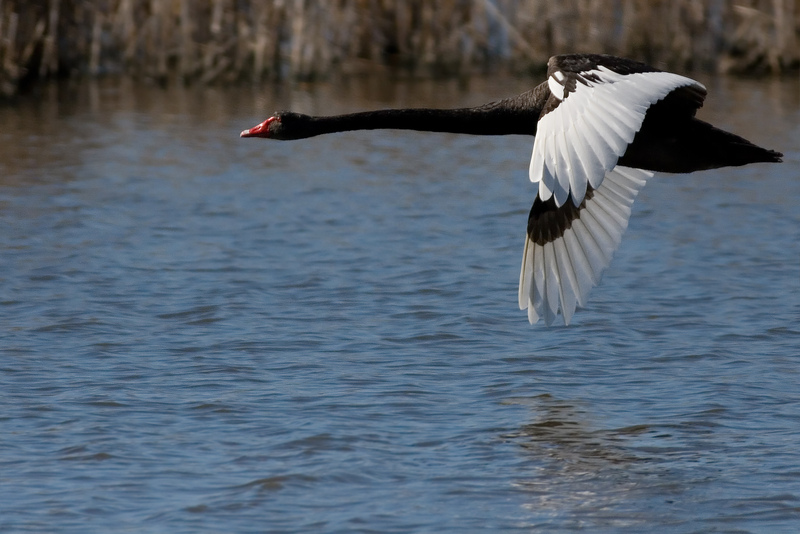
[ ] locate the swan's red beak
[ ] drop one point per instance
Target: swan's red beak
(262, 130)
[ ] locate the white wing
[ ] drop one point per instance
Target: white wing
(596, 116)
(558, 271)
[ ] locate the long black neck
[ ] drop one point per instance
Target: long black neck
(517, 115)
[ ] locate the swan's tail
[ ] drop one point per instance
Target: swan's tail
(692, 146)
(567, 248)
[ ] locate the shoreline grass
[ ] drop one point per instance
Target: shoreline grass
(226, 41)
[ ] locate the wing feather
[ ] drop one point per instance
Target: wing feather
(590, 125)
(569, 283)
(564, 167)
(526, 274)
(596, 106)
(537, 297)
(552, 284)
(558, 274)
(581, 267)
(594, 252)
(598, 160)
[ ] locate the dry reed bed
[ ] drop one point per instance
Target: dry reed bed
(210, 41)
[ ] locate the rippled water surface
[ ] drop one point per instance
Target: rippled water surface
(205, 334)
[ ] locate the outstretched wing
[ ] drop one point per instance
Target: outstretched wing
(568, 246)
(596, 106)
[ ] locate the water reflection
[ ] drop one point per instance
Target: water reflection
(581, 473)
(563, 432)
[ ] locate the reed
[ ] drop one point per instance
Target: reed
(221, 41)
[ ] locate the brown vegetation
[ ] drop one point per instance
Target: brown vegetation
(210, 41)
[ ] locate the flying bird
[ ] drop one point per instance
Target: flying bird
(602, 125)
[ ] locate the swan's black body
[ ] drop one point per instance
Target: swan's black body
(673, 140)
(603, 123)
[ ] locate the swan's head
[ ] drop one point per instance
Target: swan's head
(283, 125)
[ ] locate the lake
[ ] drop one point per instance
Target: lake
(201, 333)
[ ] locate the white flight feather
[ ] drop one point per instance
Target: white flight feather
(558, 276)
(580, 266)
(556, 88)
(569, 283)
(552, 284)
(582, 139)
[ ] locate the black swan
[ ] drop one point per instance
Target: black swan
(602, 125)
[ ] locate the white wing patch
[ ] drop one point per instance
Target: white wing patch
(554, 82)
(582, 139)
(559, 275)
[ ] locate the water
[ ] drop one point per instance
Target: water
(206, 334)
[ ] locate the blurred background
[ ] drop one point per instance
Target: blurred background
(220, 41)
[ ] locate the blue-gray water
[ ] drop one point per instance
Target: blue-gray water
(200, 333)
